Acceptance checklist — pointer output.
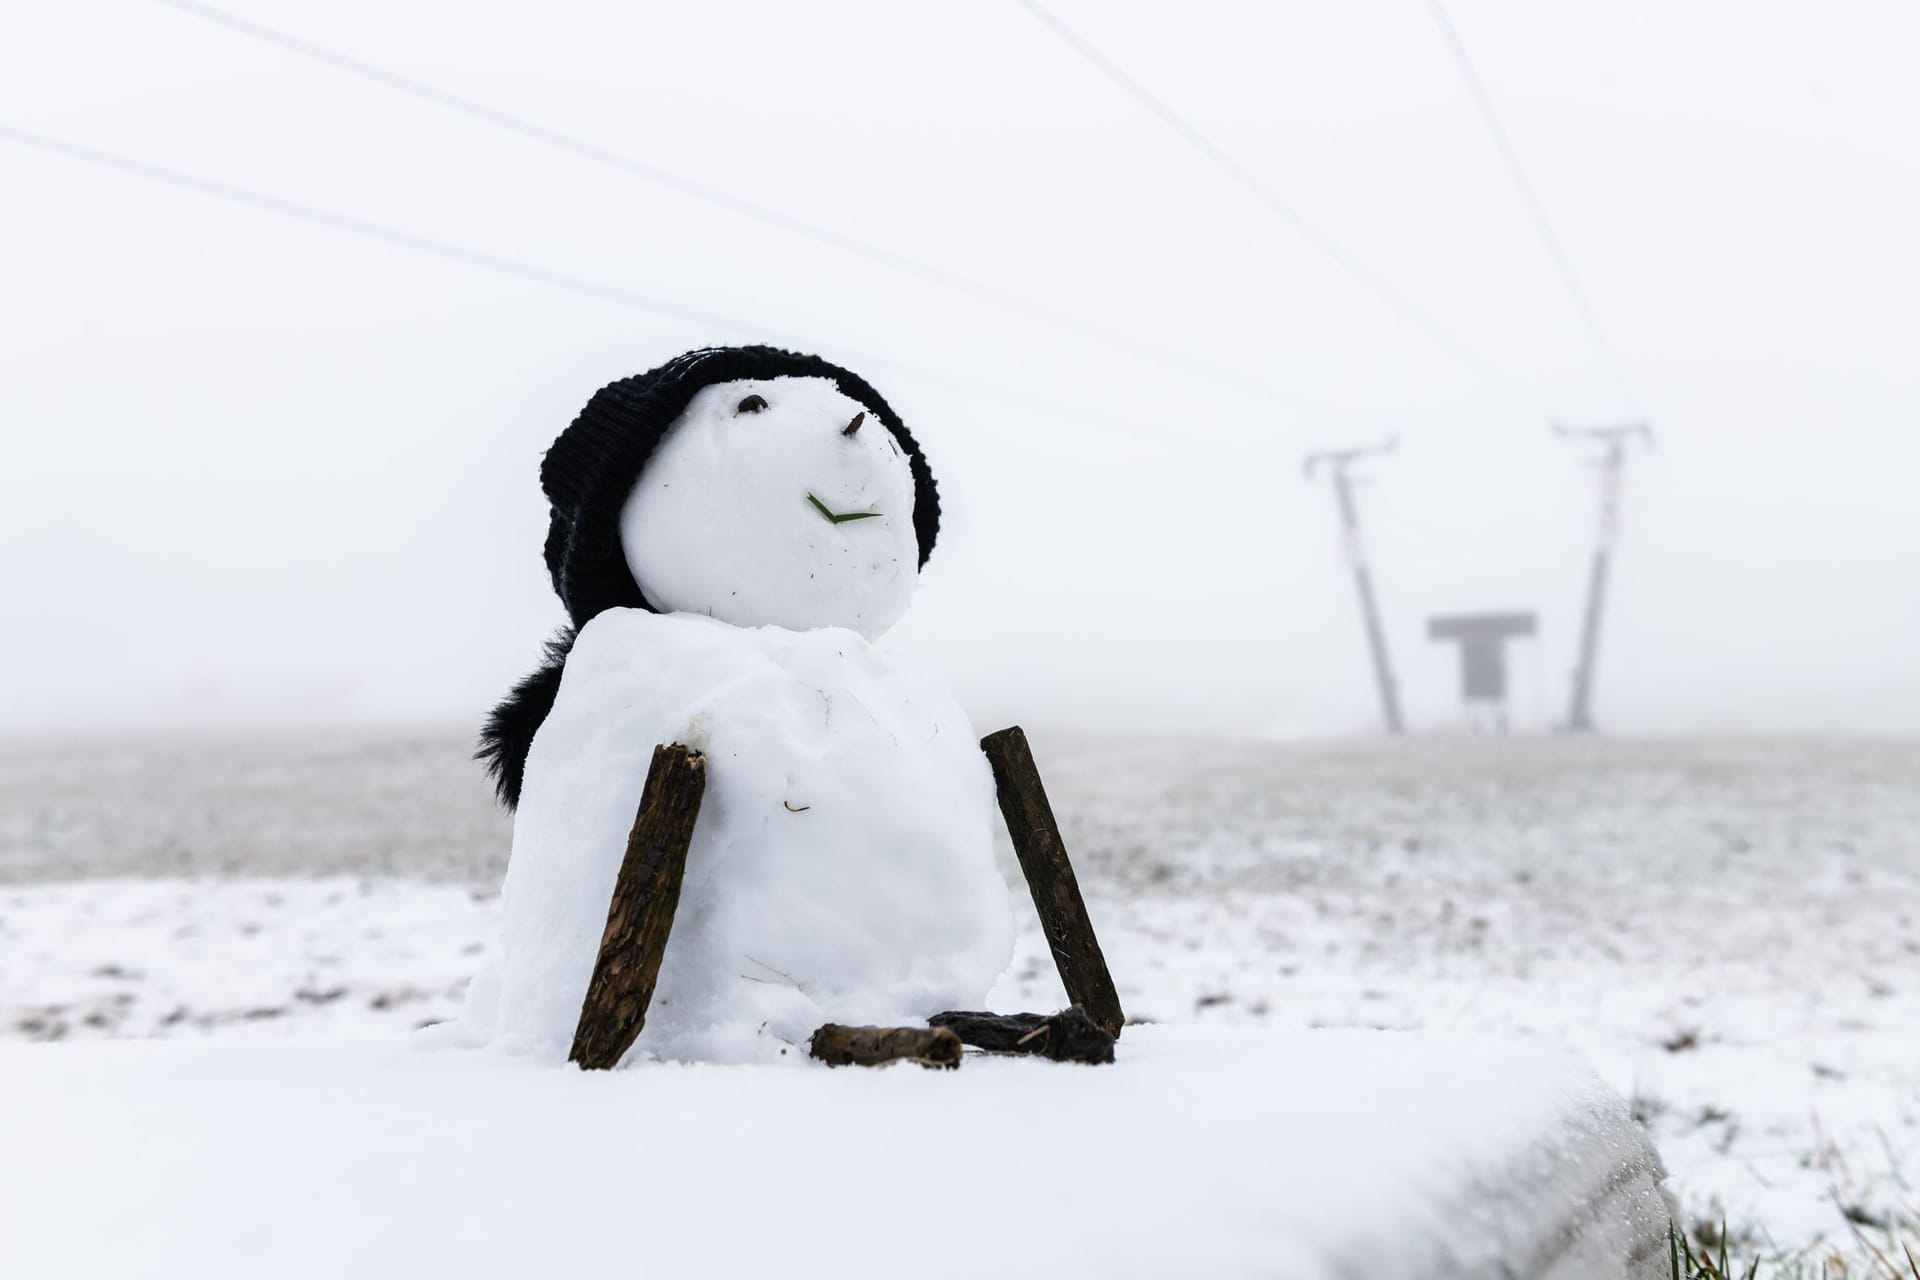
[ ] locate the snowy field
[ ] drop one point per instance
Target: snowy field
(1728, 931)
(1496, 1157)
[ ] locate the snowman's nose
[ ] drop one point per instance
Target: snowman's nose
(854, 426)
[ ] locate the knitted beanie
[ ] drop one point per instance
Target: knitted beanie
(592, 468)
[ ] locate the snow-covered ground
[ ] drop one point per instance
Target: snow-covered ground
(1728, 931)
(1489, 1157)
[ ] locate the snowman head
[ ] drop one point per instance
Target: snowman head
(776, 501)
(756, 486)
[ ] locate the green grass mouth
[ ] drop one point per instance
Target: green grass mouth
(832, 518)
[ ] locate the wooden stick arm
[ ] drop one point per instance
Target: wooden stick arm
(1056, 892)
(640, 916)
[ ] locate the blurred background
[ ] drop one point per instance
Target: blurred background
(296, 295)
(269, 471)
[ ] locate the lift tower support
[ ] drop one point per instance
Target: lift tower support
(1339, 462)
(1613, 468)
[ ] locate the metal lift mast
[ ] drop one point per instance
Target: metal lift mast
(1613, 466)
(1339, 461)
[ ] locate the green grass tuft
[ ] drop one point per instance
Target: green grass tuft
(1708, 1264)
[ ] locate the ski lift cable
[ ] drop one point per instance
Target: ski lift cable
(1265, 195)
(632, 166)
(500, 264)
(1536, 208)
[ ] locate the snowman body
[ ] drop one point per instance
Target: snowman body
(841, 869)
(842, 866)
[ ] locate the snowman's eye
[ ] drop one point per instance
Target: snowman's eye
(752, 404)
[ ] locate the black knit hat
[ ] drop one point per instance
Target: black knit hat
(592, 468)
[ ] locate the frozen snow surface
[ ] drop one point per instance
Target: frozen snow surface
(842, 869)
(1203, 1151)
(1728, 931)
(727, 520)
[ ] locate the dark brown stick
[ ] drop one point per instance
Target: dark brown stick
(641, 914)
(1056, 894)
(839, 1046)
(1067, 1036)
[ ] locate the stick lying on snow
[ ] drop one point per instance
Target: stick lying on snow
(1067, 1036)
(839, 1046)
(641, 913)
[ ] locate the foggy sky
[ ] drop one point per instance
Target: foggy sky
(260, 473)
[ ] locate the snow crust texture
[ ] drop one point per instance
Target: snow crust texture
(842, 869)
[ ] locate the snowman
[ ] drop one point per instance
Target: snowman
(730, 534)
